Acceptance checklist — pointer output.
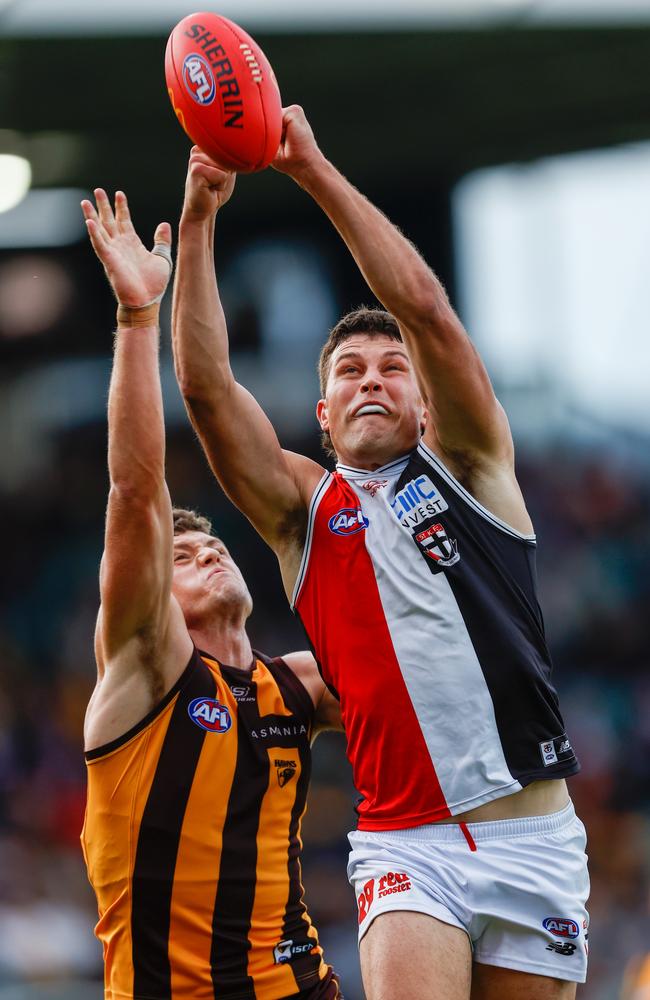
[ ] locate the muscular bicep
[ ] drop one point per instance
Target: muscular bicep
(136, 569)
(270, 485)
(465, 417)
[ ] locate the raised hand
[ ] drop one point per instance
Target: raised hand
(138, 276)
(298, 147)
(208, 186)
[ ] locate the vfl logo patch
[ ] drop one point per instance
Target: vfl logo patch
(561, 927)
(285, 770)
(435, 545)
(210, 715)
(198, 79)
(348, 521)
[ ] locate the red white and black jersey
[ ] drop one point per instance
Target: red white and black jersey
(421, 607)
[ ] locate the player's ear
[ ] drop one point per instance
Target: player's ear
(424, 420)
(321, 415)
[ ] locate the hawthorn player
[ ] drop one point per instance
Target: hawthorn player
(412, 568)
(198, 749)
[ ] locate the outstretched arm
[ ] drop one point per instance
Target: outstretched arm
(271, 486)
(466, 415)
(135, 580)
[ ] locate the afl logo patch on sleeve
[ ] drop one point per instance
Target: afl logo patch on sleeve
(210, 715)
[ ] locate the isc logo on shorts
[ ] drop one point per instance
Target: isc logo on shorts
(209, 714)
(348, 521)
(198, 79)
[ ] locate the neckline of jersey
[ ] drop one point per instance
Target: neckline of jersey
(393, 467)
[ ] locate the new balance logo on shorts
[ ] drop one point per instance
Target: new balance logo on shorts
(561, 948)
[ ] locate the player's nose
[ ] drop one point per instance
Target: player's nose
(208, 555)
(372, 383)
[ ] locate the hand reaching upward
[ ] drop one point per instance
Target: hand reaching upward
(137, 276)
(208, 186)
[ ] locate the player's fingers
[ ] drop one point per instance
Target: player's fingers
(122, 214)
(100, 246)
(105, 211)
(162, 242)
(88, 209)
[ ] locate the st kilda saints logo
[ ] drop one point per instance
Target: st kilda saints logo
(435, 545)
(285, 770)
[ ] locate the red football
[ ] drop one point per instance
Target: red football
(224, 92)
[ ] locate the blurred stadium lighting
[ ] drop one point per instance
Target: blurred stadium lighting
(15, 178)
(552, 266)
(48, 217)
(73, 17)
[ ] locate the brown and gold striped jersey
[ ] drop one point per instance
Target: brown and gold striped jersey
(192, 840)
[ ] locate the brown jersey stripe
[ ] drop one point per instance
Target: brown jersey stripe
(160, 829)
(310, 967)
(236, 889)
(294, 693)
(197, 868)
(275, 814)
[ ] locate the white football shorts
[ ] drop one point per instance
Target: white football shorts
(517, 887)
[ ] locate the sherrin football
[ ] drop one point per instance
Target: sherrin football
(224, 92)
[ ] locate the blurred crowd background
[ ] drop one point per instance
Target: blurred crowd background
(508, 140)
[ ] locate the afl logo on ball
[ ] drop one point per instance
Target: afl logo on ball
(348, 521)
(209, 714)
(198, 79)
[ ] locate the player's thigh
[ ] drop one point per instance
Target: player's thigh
(492, 983)
(407, 955)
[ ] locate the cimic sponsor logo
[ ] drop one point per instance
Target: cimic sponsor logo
(386, 885)
(222, 73)
(286, 951)
(348, 521)
(210, 715)
(562, 927)
(416, 501)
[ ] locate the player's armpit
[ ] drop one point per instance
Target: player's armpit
(328, 714)
(270, 485)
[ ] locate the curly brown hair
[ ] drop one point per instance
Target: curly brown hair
(190, 520)
(370, 322)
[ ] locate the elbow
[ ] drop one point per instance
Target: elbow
(201, 388)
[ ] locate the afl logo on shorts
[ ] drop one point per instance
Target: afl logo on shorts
(348, 521)
(562, 927)
(198, 79)
(210, 714)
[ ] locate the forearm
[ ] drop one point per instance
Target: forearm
(391, 265)
(199, 333)
(136, 432)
